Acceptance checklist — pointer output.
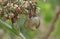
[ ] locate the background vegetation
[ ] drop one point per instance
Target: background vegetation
(46, 11)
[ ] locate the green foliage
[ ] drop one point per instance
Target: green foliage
(48, 9)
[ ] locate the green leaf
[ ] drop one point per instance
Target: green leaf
(8, 27)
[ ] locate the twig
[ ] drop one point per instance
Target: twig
(52, 25)
(11, 28)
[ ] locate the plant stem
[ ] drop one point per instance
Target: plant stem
(52, 25)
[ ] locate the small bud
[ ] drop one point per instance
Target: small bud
(18, 17)
(18, 8)
(8, 5)
(16, 5)
(12, 4)
(13, 14)
(26, 3)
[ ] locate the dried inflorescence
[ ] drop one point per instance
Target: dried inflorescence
(12, 10)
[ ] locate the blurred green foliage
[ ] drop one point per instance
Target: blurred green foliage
(48, 9)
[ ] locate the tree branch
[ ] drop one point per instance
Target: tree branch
(52, 25)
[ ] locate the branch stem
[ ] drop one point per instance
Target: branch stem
(52, 25)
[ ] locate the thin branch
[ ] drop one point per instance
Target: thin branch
(52, 25)
(11, 28)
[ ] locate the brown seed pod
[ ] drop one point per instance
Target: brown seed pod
(12, 16)
(12, 4)
(12, 20)
(30, 15)
(18, 17)
(18, 8)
